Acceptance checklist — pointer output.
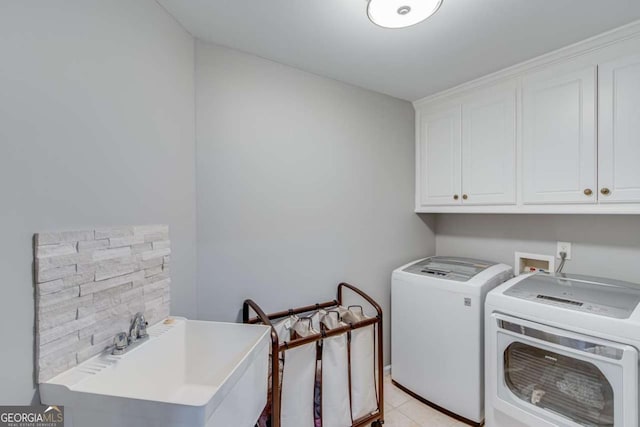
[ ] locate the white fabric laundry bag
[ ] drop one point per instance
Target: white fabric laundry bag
(364, 398)
(284, 327)
(316, 318)
(336, 411)
(298, 380)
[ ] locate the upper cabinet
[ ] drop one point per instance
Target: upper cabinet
(489, 147)
(438, 155)
(619, 131)
(559, 135)
(466, 151)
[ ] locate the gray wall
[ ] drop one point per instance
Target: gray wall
(604, 245)
(303, 182)
(96, 128)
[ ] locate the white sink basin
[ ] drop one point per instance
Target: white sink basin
(189, 373)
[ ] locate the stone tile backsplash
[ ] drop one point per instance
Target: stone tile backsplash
(90, 283)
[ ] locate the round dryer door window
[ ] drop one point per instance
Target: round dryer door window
(570, 387)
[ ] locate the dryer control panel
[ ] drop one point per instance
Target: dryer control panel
(603, 297)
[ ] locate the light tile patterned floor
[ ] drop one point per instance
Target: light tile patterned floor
(402, 410)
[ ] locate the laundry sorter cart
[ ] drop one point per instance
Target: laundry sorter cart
(326, 366)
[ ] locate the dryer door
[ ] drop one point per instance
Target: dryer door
(566, 378)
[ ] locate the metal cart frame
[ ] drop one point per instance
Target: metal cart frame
(376, 418)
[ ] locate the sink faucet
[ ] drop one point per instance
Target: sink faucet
(137, 334)
(138, 328)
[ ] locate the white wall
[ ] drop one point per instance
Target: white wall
(303, 182)
(96, 128)
(604, 245)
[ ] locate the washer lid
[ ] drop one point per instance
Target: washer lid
(604, 297)
(451, 268)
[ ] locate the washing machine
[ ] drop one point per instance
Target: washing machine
(437, 331)
(562, 350)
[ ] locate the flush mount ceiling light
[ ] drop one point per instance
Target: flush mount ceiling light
(401, 13)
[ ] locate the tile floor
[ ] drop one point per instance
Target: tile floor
(402, 410)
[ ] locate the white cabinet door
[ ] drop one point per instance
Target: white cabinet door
(489, 148)
(559, 135)
(438, 157)
(619, 141)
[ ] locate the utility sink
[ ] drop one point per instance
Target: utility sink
(189, 373)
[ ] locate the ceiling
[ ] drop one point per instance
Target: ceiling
(465, 39)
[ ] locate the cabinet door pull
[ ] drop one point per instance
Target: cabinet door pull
(465, 197)
(588, 192)
(455, 197)
(605, 191)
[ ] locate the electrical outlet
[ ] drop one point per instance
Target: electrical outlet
(564, 247)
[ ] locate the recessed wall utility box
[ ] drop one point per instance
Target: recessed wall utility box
(531, 263)
(564, 247)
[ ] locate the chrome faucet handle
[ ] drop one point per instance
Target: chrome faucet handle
(120, 342)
